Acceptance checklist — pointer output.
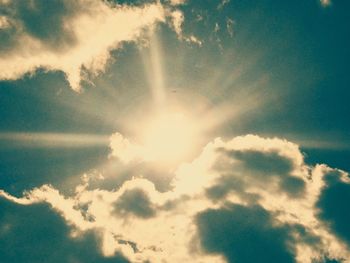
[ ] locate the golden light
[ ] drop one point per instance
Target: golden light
(176, 123)
(169, 137)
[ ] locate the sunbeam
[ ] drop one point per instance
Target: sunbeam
(172, 127)
(52, 140)
(156, 74)
(169, 131)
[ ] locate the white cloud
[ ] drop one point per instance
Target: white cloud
(269, 172)
(82, 37)
(125, 150)
(178, 19)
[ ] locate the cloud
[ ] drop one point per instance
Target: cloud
(135, 202)
(240, 200)
(35, 233)
(70, 36)
(243, 234)
(178, 20)
(333, 203)
(125, 150)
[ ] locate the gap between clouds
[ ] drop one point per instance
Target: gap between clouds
(245, 200)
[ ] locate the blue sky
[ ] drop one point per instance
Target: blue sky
(225, 122)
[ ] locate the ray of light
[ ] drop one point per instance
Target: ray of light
(321, 141)
(323, 144)
(154, 68)
(53, 140)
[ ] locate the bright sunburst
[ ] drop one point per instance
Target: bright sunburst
(169, 131)
(169, 136)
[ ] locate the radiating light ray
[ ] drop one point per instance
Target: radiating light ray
(133, 114)
(247, 100)
(228, 94)
(228, 75)
(53, 140)
(154, 69)
(169, 136)
(158, 75)
(323, 144)
(324, 141)
(159, 136)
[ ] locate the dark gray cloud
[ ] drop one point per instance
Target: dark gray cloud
(35, 234)
(135, 202)
(227, 184)
(253, 167)
(22, 169)
(264, 164)
(244, 235)
(45, 20)
(331, 261)
(42, 20)
(334, 205)
(250, 234)
(327, 260)
(131, 2)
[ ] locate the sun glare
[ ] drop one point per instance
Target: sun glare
(169, 137)
(171, 127)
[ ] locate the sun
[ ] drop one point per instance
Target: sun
(169, 136)
(165, 127)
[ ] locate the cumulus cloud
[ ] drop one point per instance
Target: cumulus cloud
(135, 202)
(125, 150)
(243, 234)
(35, 233)
(242, 200)
(333, 204)
(69, 36)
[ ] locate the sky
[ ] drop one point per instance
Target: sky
(174, 131)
